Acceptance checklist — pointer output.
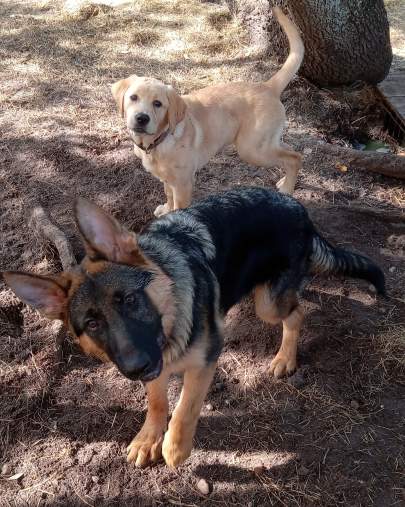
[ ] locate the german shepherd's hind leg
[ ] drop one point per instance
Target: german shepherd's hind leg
(146, 447)
(285, 361)
(283, 308)
(178, 441)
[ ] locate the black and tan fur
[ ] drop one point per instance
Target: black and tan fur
(154, 304)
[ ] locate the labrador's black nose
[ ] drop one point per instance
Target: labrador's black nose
(142, 119)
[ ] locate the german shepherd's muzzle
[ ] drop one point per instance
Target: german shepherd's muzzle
(112, 308)
(154, 304)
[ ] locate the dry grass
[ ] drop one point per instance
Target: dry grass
(322, 435)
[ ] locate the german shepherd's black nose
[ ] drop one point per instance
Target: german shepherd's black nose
(142, 119)
(136, 365)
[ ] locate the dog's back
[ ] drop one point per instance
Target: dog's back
(253, 236)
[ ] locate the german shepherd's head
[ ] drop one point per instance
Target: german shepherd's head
(117, 303)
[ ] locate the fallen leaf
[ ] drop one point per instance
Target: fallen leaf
(5, 469)
(341, 167)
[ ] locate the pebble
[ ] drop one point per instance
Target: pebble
(204, 487)
(354, 404)
(297, 379)
(391, 269)
(303, 470)
(219, 386)
(5, 469)
(259, 469)
(209, 407)
(95, 479)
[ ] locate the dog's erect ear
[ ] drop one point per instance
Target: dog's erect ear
(118, 90)
(104, 236)
(40, 292)
(177, 108)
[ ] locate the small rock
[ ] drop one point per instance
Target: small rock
(204, 487)
(227, 402)
(371, 288)
(219, 386)
(85, 455)
(297, 379)
(209, 407)
(392, 269)
(307, 151)
(5, 469)
(259, 469)
(354, 404)
(303, 471)
(95, 479)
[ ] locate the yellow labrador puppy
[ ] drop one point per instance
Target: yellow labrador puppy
(176, 135)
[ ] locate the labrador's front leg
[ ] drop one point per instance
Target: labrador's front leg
(162, 209)
(178, 440)
(182, 192)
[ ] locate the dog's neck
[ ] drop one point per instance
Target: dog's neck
(147, 145)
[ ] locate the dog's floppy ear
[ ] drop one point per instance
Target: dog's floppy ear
(118, 90)
(40, 292)
(104, 237)
(177, 108)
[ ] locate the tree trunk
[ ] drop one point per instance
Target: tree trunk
(345, 40)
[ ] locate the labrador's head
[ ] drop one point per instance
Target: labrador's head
(148, 105)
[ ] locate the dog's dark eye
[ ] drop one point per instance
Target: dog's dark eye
(157, 103)
(134, 97)
(129, 299)
(92, 325)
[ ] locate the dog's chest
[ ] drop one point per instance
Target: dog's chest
(156, 162)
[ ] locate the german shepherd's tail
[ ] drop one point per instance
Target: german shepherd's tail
(328, 259)
(281, 79)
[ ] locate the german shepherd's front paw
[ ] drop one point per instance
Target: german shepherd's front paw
(282, 365)
(146, 447)
(176, 448)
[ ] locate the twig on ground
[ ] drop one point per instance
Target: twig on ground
(44, 226)
(382, 163)
(381, 214)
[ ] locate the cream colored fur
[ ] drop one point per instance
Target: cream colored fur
(248, 115)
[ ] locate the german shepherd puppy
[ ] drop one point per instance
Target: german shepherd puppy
(154, 304)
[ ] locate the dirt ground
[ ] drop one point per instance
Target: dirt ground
(330, 435)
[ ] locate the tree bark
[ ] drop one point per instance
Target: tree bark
(345, 40)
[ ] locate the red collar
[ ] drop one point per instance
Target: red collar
(155, 143)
